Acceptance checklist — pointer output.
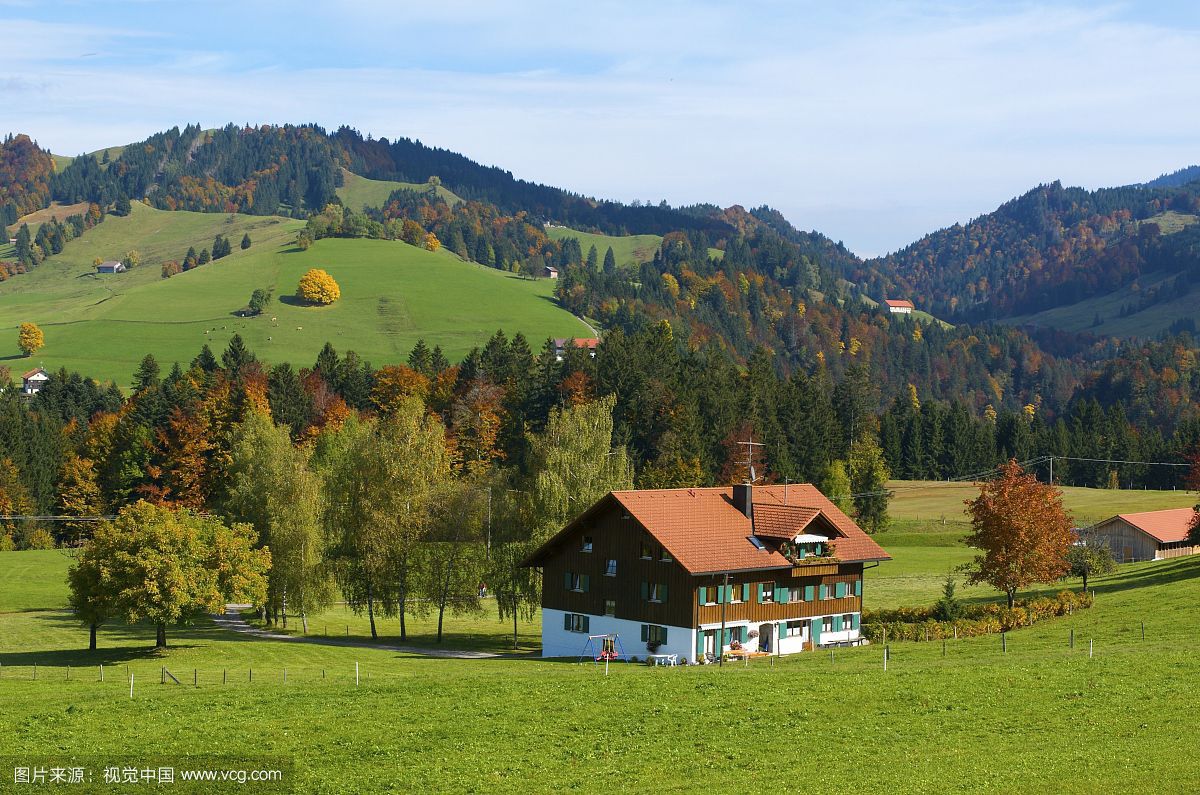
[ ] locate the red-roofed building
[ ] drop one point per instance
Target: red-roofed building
(900, 307)
(1149, 535)
(561, 344)
(691, 572)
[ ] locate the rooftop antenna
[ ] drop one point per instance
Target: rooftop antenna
(749, 462)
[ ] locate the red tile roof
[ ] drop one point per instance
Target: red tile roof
(899, 303)
(34, 372)
(705, 533)
(1164, 526)
(578, 342)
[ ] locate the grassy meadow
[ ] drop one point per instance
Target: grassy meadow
(358, 192)
(392, 294)
(628, 249)
(1042, 717)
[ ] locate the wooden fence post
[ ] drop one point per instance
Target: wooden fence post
(356, 674)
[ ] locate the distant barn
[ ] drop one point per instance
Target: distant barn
(900, 307)
(111, 266)
(1149, 535)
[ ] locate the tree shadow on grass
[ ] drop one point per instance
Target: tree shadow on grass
(1148, 575)
(118, 643)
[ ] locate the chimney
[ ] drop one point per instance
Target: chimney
(743, 500)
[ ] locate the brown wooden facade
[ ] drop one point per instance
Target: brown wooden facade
(616, 537)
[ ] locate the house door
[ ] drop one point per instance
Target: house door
(766, 638)
(710, 642)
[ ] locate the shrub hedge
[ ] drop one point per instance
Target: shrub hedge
(921, 623)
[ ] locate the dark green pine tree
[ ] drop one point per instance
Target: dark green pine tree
(328, 366)
(123, 206)
(205, 257)
(610, 261)
(245, 241)
(420, 359)
(290, 404)
(593, 258)
(147, 374)
(205, 360)
(438, 361)
(236, 355)
(190, 260)
(356, 379)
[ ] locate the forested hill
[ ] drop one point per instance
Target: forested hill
(1176, 178)
(1052, 247)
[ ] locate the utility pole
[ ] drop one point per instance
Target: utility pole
(721, 637)
(1051, 470)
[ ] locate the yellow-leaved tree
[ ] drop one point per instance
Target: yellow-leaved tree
(30, 339)
(318, 287)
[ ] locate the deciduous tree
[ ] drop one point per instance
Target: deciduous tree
(1022, 529)
(318, 287)
(30, 338)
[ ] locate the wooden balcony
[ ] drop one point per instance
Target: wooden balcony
(819, 567)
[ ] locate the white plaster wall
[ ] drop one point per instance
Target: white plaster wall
(558, 642)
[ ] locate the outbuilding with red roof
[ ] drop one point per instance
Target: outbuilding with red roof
(1149, 535)
(695, 573)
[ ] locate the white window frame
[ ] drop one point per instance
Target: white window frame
(612, 602)
(577, 620)
(796, 593)
(827, 624)
(610, 568)
(652, 593)
(586, 544)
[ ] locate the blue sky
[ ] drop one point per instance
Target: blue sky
(872, 122)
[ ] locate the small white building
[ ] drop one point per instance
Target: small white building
(900, 307)
(111, 266)
(33, 381)
(550, 272)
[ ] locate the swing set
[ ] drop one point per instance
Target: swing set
(603, 648)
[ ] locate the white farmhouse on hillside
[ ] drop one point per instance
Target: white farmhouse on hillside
(899, 307)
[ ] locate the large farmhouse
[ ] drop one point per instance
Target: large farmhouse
(1149, 535)
(696, 572)
(900, 306)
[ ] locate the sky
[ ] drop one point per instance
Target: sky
(874, 123)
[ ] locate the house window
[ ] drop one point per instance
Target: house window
(738, 594)
(610, 607)
(709, 594)
(796, 593)
(646, 552)
(654, 591)
(652, 633)
(586, 546)
(663, 555)
(795, 629)
(576, 582)
(848, 621)
(575, 622)
(827, 624)
(767, 593)
(610, 570)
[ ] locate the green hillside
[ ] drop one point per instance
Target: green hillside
(1146, 323)
(358, 192)
(392, 294)
(628, 249)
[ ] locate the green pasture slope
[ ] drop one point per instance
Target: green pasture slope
(628, 249)
(358, 192)
(1040, 718)
(392, 294)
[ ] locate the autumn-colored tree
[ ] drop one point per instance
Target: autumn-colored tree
(318, 287)
(166, 566)
(14, 497)
(396, 382)
(180, 462)
(475, 420)
(30, 338)
(431, 242)
(78, 495)
(1022, 529)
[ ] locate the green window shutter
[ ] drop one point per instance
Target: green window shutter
(745, 592)
(808, 593)
(824, 591)
(584, 582)
(645, 591)
(840, 589)
(701, 595)
(699, 643)
(760, 593)
(818, 550)
(782, 630)
(587, 624)
(662, 592)
(837, 623)
(567, 580)
(858, 587)
(645, 633)
(728, 636)
(854, 619)
(802, 552)
(815, 631)
(662, 635)
(781, 593)
(567, 621)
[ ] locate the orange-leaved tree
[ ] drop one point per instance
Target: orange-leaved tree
(318, 287)
(1022, 529)
(30, 339)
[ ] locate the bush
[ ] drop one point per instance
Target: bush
(922, 623)
(7, 544)
(39, 539)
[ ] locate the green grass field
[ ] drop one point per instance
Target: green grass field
(1041, 717)
(358, 192)
(392, 294)
(628, 249)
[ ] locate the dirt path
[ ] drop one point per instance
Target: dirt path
(232, 620)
